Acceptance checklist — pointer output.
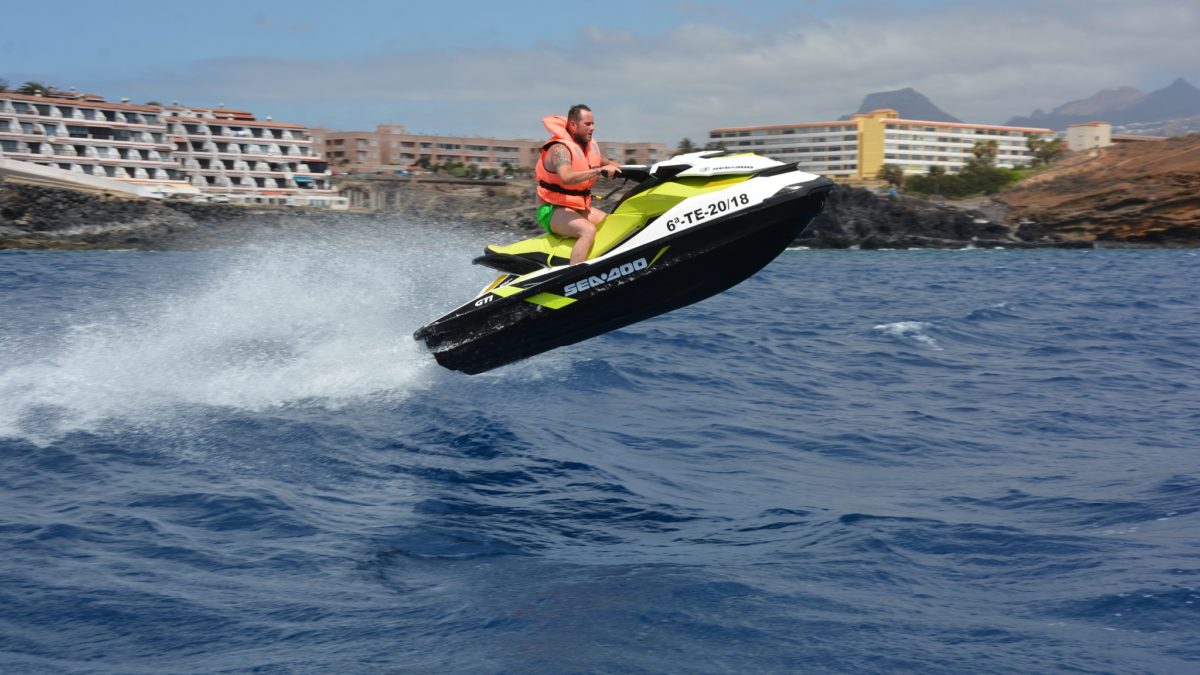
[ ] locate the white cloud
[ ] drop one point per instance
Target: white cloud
(980, 63)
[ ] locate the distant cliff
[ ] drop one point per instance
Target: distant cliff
(1146, 192)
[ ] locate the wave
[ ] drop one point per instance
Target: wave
(325, 318)
(915, 332)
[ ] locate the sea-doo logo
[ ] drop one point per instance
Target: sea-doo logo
(601, 279)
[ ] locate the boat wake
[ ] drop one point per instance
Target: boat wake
(299, 322)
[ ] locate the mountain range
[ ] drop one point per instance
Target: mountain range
(1174, 109)
(1120, 107)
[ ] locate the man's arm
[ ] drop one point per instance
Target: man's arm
(558, 160)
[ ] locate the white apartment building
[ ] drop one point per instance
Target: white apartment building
(860, 146)
(88, 135)
(218, 151)
(230, 152)
(826, 148)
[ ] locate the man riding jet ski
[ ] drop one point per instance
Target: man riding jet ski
(692, 227)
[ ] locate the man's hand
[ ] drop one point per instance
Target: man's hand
(610, 170)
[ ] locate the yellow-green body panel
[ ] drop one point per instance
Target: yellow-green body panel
(629, 217)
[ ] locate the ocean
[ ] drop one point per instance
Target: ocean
(238, 460)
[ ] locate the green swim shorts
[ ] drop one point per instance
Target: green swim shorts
(544, 212)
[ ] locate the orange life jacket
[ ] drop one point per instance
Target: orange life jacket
(550, 188)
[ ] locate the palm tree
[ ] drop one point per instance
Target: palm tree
(32, 88)
(986, 151)
(1043, 151)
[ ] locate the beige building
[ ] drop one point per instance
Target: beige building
(392, 148)
(1089, 135)
(857, 148)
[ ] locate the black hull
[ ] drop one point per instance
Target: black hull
(699, 263)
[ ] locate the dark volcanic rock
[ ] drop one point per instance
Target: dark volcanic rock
(38, 217)
(858, 217)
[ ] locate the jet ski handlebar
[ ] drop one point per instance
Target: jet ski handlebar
(634, 172)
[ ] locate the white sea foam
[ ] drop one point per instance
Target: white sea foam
(329, 320)
(911, 331)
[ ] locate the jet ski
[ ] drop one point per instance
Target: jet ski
(692, 226)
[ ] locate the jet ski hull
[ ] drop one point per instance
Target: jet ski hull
(663, 275)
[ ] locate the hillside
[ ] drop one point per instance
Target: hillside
(1137, 193)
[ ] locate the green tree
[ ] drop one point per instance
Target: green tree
(32, 88)
(715, 145)
(976, 178)
(3, 85)
(986, 152)
(891, 174)
(1046, 152)
(686, 146)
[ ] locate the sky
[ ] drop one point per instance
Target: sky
(650, 70)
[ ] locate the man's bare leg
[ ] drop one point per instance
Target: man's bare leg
(571, 223)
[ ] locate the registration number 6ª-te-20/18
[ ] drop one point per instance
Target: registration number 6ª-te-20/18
(705, 212)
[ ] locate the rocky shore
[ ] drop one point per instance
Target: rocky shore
(1145, 193)
(35, 217)
(1118, 199)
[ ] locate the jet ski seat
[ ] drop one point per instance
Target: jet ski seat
(639, 208)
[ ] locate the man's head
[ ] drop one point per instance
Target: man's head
(580, 123)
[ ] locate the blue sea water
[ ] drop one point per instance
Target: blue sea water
(855, 462)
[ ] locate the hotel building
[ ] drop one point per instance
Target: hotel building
(391, 147)
(230, 152)
(857, 148)
(168, 149)
(88, 135)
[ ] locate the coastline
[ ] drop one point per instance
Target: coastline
(38, 217)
